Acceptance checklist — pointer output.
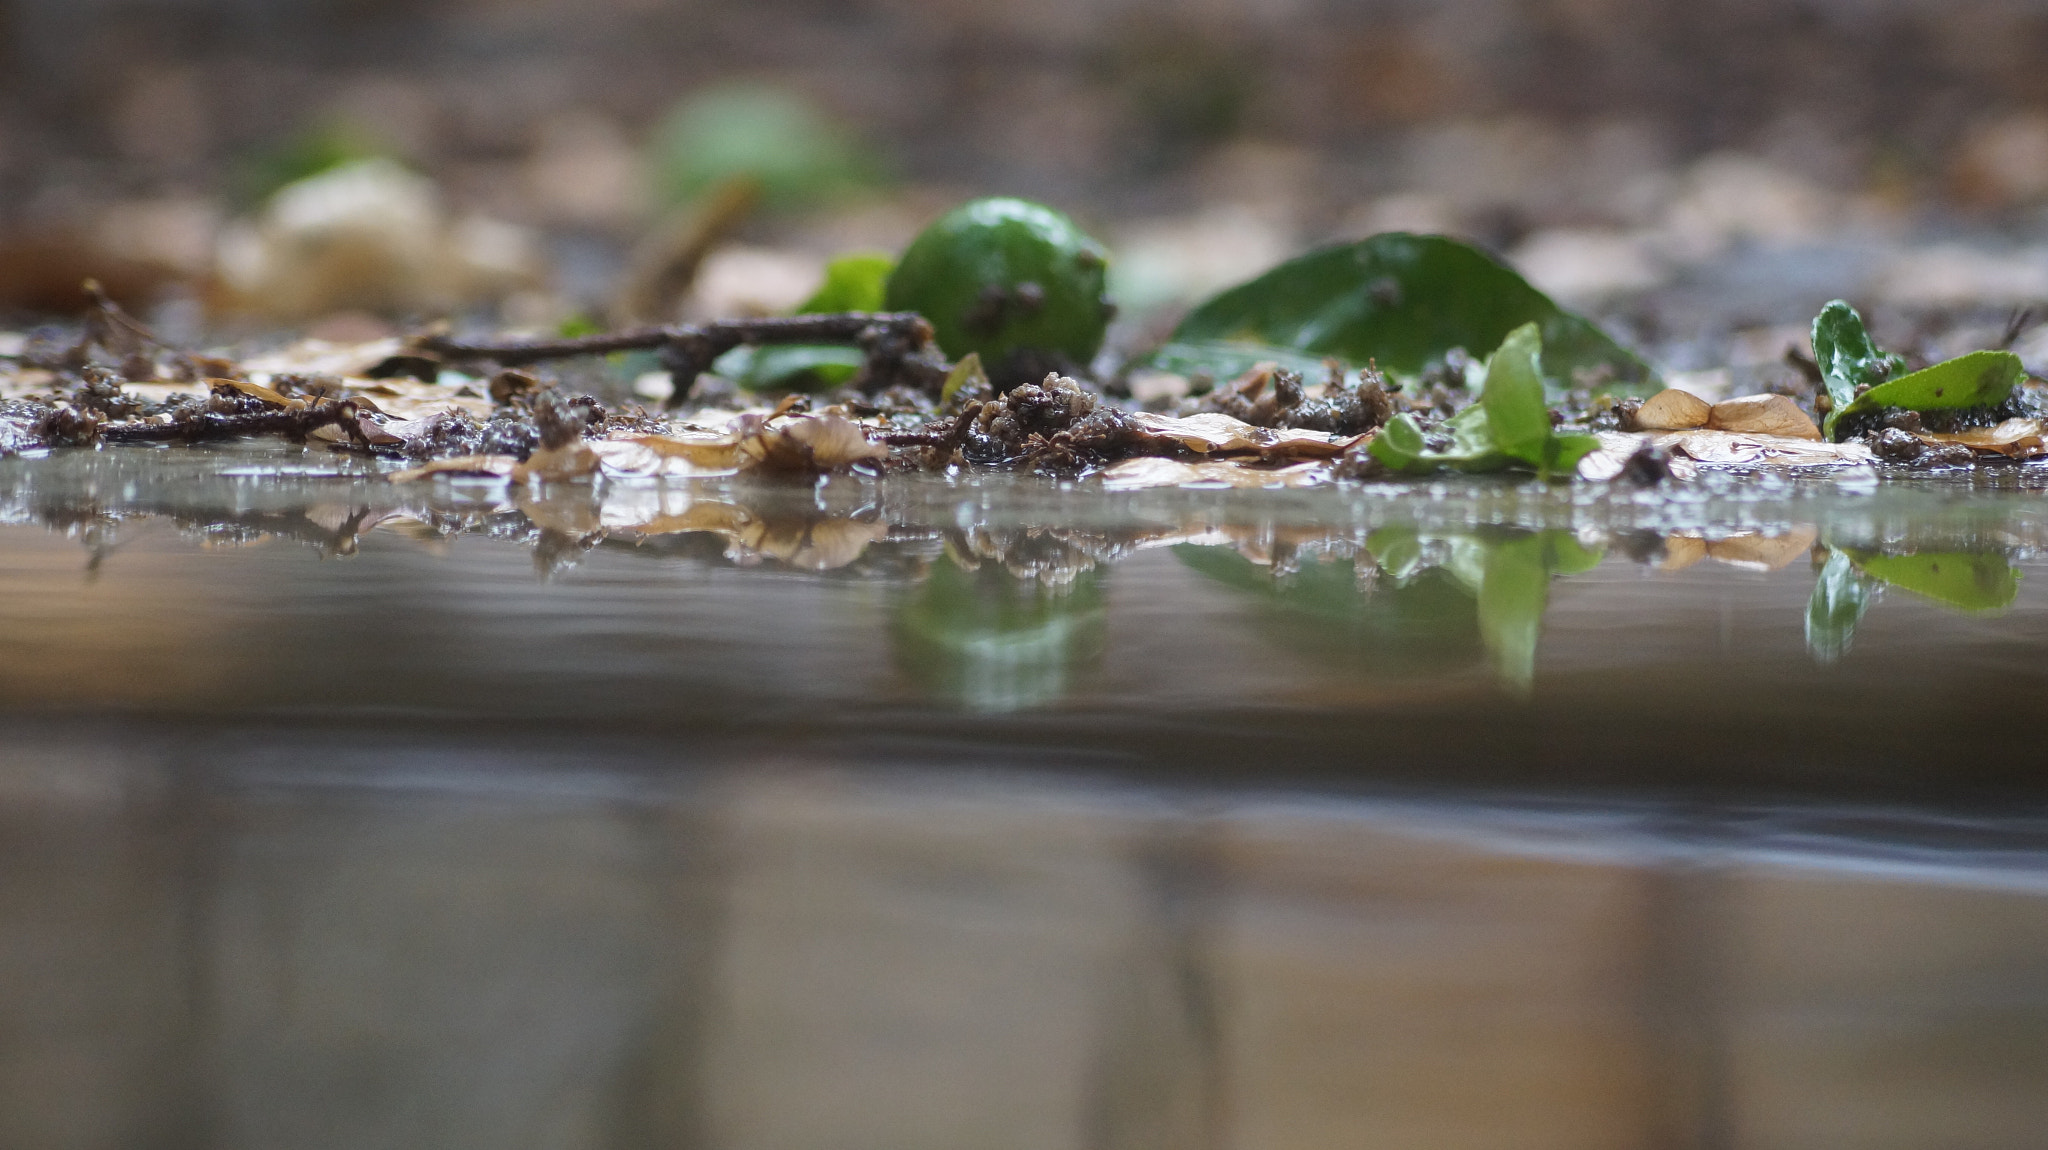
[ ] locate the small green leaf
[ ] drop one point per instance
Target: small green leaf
(1513, 396)
(1847, 356)
(790, 367)
(967, 371)
(1979, 379)
(853, 282)
(1969, 582)
(1510, 423)
(1403, 301)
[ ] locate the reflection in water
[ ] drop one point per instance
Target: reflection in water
(996, 641)
(334, 948)
(1851, 580)
(998, 607)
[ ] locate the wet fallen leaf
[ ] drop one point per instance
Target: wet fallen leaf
(556, 464)
(1762, 415)
(1606, 461)
(494, 466)
(677, 455)
(1736, 449)
(1153, 471)
(2017, 438)
(808, 443)
(1673, 410)
(1213, 433)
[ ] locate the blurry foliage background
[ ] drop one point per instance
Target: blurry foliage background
(146, 123)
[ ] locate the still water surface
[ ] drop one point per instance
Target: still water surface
(341, 814)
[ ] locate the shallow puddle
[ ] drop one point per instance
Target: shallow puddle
(343, 813)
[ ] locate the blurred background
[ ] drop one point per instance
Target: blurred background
(517, 157)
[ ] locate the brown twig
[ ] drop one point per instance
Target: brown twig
(212, 425)
(889, 339)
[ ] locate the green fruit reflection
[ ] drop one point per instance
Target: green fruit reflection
(995, 642)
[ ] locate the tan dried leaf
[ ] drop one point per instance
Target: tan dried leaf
(1762, 415)
(555, 464)
(808, 443)
(1154, 471)
(1732, 449)
(1672, 410)
(494, 466)
(676, 455)
(2018, 438)
(1213, 433)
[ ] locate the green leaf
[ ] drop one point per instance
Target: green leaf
(790, 367)
(853, 282)
(967, 371)
(1401, 300)
(1841, 596)
(1847, 356)
(1969, 582)
(1401, 446)
(1510, 423)
(1513, 396)
(1979, 379)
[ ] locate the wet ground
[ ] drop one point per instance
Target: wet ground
(1003, 812)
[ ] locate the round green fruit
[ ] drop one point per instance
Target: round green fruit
(1014, 281)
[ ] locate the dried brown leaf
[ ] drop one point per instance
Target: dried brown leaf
(1154, 471)
(1762, 415)
(1213, 433)
(496, 466)
(1672, 410)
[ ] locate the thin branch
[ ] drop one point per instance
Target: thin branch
(889, 339)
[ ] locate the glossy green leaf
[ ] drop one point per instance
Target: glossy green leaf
(1403, 301)
(1969, 582)
(1847, 356)
(1510, 423)
(1516, 413)
(1979, 379)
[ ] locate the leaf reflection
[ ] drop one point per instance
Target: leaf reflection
(1851, 580)
(996, 642)
(1415, 602)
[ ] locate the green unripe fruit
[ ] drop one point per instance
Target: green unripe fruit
(1014, 281)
